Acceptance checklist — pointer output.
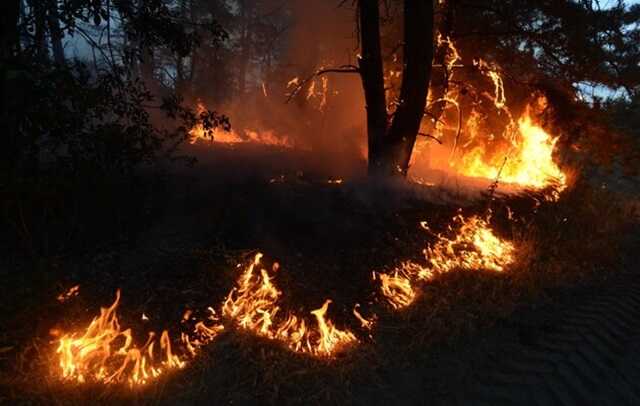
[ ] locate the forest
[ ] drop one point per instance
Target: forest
(319, 202)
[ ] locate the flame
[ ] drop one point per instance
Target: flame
(106, 353)
(397, 288)
(499, 98)
(473, 245)
(198, 133)
(521, 153)
(529, 161)
(253, 305)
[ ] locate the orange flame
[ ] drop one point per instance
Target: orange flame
(253, 306)
(522, 154)
(529, 161)
(106, 353)
(473, 246)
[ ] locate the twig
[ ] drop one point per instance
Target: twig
(320, 72)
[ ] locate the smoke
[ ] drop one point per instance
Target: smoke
(327, 115)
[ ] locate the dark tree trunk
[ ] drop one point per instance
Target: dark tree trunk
(40, 19)
(391, 144)
(370, 65)
(418, 54)
(53, 21)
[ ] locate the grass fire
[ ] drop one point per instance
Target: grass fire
(319, 202)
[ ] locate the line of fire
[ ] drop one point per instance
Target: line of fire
(320, 202)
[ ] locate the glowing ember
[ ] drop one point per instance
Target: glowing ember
(366, 324)
(253, 306)
(473, 246)
(70, 293)
(107, 354)
(198, 133)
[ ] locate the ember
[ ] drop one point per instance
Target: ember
(70, 293)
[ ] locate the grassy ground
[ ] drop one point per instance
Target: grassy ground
(328, 239)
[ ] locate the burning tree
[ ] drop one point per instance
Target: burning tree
(408, 74)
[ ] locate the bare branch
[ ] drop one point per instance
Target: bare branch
(300, 85)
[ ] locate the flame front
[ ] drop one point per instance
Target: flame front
(473, 246)
(253, 304)
(106, 353)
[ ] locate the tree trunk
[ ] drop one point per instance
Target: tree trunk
(370, 64)
(53, 21)
(391, 144)
(418, 54)
(40, 40)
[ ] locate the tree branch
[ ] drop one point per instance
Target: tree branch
(301, 84)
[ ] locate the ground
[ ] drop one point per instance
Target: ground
(559, 327)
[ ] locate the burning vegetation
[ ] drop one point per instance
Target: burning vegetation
(106, 353)
(467, 244)
(253, 305)
(430, 103)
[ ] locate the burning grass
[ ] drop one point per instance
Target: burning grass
(528, 248)
(468, 244)
(253, 305)
(106, 353)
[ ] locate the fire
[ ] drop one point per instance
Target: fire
(487, 141)
(106, 353)
(397, 288)
(473, 246)
(199, 133)
(529, 163)
(253, 305)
